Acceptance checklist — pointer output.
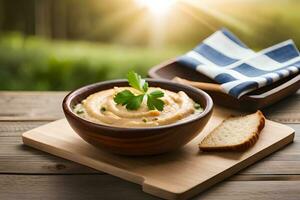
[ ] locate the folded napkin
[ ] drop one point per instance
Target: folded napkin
(239, 70)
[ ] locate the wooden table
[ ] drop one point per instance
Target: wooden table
(27, 173)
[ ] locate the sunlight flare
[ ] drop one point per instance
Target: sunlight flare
(205, 7)
(157, 7)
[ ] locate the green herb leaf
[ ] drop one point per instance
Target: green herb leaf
(197, 106)
(153, 101)
(123, 97)
(157, 94)
(135, 102)
(145, 87)
(79, 112)
(127, 98)
(132, 101)
(137, 82)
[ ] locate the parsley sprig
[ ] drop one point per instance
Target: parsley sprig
(132, 101)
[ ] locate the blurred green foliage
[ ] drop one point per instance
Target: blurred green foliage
(36, 64)
(120, 35)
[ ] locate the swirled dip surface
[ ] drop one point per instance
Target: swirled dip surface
(101, 108)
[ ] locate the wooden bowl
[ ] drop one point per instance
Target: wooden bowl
(138, 141)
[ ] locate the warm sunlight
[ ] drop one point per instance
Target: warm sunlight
(156, 6)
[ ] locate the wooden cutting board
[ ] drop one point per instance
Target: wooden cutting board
(177, 175)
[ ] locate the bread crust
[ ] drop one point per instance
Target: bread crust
(243, 146)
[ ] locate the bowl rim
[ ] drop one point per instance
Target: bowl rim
(68, 110)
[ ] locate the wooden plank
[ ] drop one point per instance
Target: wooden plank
(31, 105)
(264, 177)
(285, 111)
(62, 187)
(16, 128)
(79, 187)
(24, 106)
(18, 158)
(258, 190)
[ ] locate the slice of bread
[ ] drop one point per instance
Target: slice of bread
(234, 133)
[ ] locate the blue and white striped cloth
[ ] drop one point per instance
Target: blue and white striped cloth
(225, 59)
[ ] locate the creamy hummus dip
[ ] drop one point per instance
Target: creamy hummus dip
(101, 108)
